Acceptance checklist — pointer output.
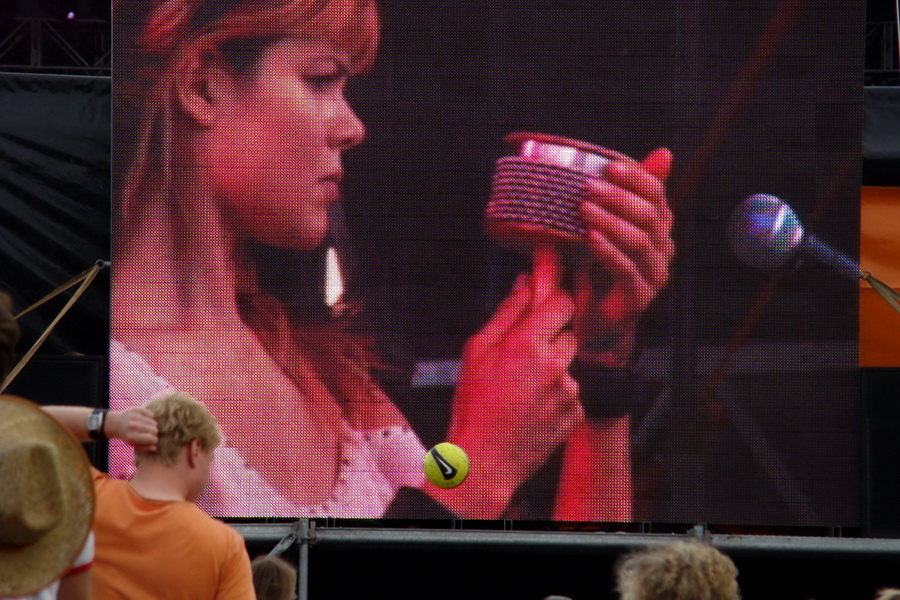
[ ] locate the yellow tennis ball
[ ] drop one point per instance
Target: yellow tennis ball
(446, 465)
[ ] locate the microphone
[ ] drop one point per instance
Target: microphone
(765, 232)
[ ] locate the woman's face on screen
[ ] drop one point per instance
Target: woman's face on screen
(277, 144)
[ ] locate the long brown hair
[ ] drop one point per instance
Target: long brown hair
(155, 42)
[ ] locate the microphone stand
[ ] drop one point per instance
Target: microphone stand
(889, 294)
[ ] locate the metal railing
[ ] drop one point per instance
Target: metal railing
(308, 536)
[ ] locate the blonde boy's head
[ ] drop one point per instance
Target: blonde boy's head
(180, 419)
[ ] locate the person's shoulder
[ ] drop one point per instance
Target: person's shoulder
(210, 525)
(107, 485)
(221, 538)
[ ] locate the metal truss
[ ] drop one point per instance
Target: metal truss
(51, 45)
(882, 54)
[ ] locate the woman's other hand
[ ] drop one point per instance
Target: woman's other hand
(629, 235)
(515, 401)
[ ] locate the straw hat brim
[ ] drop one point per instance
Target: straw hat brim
(25, 570)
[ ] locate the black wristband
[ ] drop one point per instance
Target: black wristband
(615, 392)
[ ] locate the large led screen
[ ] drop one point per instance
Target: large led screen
(356, 231)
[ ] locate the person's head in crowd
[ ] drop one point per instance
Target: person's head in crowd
(274, 578)
(188, 436)
(9, 334)
(684, 570)
(45, 522)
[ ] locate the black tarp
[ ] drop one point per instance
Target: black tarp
(882, 127)
(881, 138)
(55, 202)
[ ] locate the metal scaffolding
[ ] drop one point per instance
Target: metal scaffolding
(83, 46)
(308, 536)
(51, 45)
(882, 54)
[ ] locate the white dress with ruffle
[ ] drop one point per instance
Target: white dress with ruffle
(374, 463)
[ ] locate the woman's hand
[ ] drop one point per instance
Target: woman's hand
(135, 426)
(515, 401)
(629, 236)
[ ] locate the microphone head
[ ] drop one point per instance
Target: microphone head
(537, 190)
(764, 232)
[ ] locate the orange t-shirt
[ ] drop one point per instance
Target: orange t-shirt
(163, 549)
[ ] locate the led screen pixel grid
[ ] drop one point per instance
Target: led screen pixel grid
(741, 397)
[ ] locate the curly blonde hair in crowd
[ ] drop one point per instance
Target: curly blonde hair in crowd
(685, 570)
(180, 419)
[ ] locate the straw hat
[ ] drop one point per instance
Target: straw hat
(46, 498)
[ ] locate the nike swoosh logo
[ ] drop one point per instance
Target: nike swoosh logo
(446, 468)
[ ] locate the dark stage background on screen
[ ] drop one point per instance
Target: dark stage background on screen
(772, 437)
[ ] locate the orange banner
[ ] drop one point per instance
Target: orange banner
(879, 253)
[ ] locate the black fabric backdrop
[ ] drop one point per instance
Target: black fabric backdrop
(882, 126)
(55, 203)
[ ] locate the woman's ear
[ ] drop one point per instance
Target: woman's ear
(203, 88)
